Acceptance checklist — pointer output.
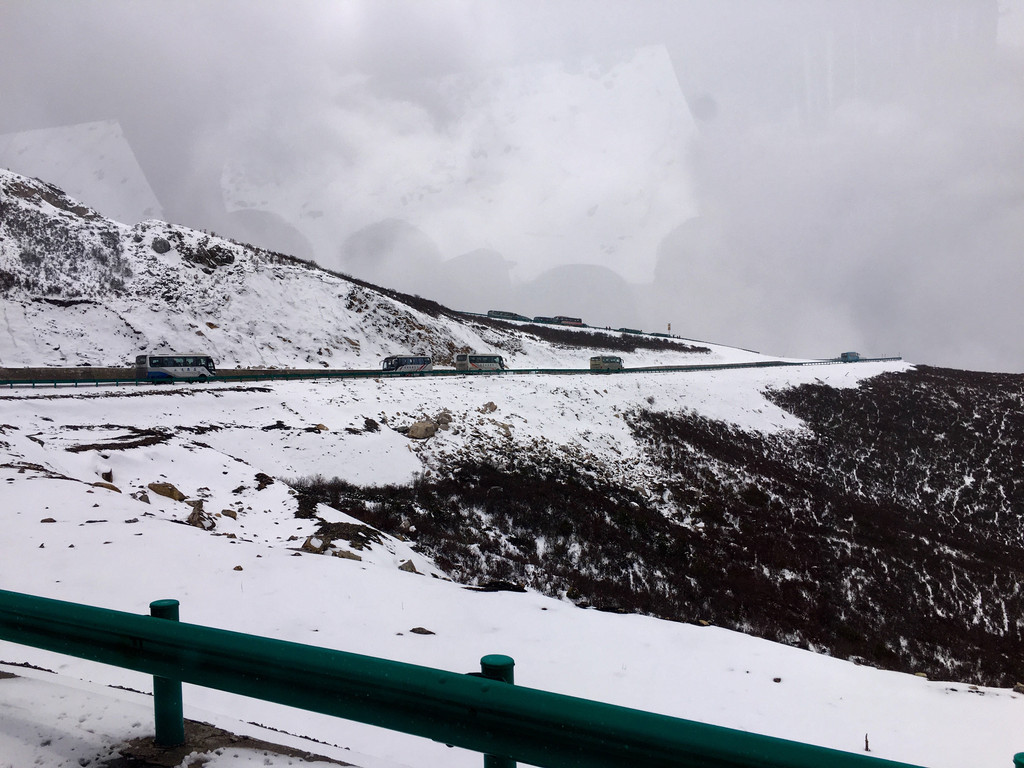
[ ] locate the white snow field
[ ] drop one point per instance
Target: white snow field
(112, 549)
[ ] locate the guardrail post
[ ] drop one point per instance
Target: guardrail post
(497, 666)
(167, 701)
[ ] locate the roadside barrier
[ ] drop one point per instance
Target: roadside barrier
(484, 711)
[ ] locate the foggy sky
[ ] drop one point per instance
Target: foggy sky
(814, 175)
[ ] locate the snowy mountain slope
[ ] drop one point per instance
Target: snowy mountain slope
(221, 444)
(716, 496)
(870, 511)
(735, 497)
(80, 288)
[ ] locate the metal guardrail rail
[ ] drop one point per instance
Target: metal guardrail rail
(477, 712)
(285, 375)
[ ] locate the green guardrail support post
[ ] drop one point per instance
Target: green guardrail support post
(497, 666)
(167, 700)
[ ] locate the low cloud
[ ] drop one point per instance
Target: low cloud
(796, 177)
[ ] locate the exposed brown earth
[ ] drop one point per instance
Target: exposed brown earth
(201, 738)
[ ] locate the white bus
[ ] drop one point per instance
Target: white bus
(464, 362)
(407, 363)
(174, 366)
(606, 363)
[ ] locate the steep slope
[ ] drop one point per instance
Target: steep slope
(869, 511)
(883, 523)
(587, 488)
(69, 537)
(81, 289)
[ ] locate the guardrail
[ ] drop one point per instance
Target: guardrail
(480, 711)
(285, 375)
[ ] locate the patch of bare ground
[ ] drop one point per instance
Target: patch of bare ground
(201, 739)
(155, 390)
(134, 438)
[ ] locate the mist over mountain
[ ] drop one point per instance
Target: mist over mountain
(853, 165)
(82, 289)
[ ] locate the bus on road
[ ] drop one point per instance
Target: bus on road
(465, 362)
(407, 363)
(606, 363)
(174, 366)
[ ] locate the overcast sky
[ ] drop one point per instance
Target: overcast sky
(800, 177)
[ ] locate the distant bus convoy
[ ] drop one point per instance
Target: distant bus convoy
(169, 367)
(166, 367)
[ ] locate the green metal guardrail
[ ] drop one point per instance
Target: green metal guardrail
(478, 712)
(285, 375)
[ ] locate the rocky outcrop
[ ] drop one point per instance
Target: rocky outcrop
(316, 544)
(201, 519)
(421, 430)
(167, 490)
(209, 257)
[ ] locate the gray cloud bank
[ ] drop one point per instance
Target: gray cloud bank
(796, 176)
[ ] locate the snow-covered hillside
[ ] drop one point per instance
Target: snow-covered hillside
(81, 523)
(82, 289)
(868, 512)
